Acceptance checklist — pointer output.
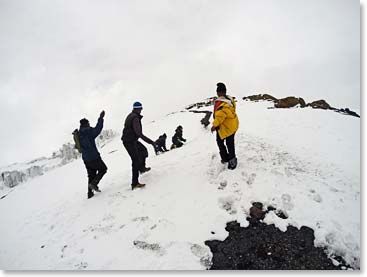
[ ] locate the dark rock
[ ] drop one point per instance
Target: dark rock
(258, 205)
(288, 102)
(205, 103)
(232, 226)
(320, 104)
(259, 97)
(346, 111)
(302, 102)
(257, 213)
(264, 247)
(293, 101)
(281, 214)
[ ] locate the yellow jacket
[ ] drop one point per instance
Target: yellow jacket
(225, 117)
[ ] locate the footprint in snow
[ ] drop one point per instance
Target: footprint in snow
(227, 204)
(140, 218)
(222, 184)
(108, 217)
(288, 172)
(202, 253)
(117, 194)
(330, 238)
(315, 196)
(63, 251)
(251, 179)
(81, 266)
(287, 202)
(198, 250)
(153, 247)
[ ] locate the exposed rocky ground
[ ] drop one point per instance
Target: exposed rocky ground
(264, 247)
(205, 103)
(292, 101)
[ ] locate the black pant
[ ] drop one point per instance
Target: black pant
(178, 144)
(95, 169)
(160, 148)
(138, 153)
(224, 154)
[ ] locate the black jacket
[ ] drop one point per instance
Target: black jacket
(177, 138)
(161, 143)
(133, 129)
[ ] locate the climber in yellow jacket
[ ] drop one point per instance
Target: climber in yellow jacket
(226, 125)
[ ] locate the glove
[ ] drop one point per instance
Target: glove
(102, 114)
(213, 129)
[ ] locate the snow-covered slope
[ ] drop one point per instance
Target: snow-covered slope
(304, 162)
(17, 173)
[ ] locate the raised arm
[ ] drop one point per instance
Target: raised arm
(98, 129)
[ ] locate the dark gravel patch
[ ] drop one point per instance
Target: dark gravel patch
(264, 247)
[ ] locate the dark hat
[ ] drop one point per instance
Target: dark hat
(84, 122)
(221, 87)
(137, 105)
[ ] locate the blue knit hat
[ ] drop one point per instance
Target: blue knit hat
(137, 105)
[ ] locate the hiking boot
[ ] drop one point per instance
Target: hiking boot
(232, 164)
(94, 187)
(145, 169)
(138, 185)
(90, 195)
(223, 161)
(97, 189)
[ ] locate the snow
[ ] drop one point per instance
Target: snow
(304, 162)
(17, 173)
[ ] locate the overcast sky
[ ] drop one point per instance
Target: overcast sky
(61, 61)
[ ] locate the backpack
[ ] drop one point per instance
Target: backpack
(77, 140)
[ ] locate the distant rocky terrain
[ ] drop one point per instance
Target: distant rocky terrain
(292, 101)
(18, 173)
(207, 102)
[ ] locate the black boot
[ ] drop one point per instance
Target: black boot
(90, 194)
(138, 185)
(145, 169)
(93, 185)
(232, 164)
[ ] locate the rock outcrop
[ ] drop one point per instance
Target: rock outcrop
(205, 103)
(292, 101)
(289, 102)
(264, 247)
(260, 97)
(320, 104)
